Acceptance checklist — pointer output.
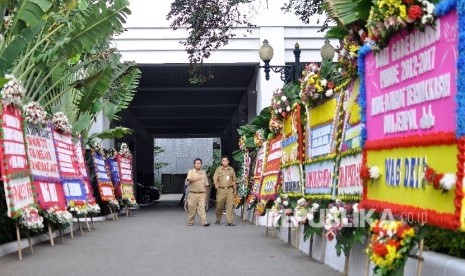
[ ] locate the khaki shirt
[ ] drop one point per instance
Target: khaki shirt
(224, 177)
(197, 186)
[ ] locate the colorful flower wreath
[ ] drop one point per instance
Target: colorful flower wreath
(59, 217)
(242, 142)
(389, 245)
(12, 92)
(313, 87)
(124, 150)
(78, 207)
(61, 123)
(259, 138)
(31, 219)
(389, 16)
(35, 114)
(280, 105)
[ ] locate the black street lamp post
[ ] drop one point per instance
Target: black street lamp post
(289, 73)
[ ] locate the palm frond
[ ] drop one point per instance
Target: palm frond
(348, 11)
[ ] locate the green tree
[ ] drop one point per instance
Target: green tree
(157, 150)
(59, 51)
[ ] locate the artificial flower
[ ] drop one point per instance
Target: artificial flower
(12, 92)
(61, 123)
(374, 172)
(35, 113)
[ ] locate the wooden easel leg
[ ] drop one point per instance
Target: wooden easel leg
(18, 238)
(267, 226)
(80, 227)
(50, 234)
(111, 212)
(297, 233)
(71, 228)
(346, 265)
(93, 224)
(87, 223)
(273, 229)
(29, 241)
(61, 236)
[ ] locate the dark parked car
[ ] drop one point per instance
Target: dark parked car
(146, 194)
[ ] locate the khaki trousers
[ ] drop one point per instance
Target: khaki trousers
(196, 202)
(224, 196)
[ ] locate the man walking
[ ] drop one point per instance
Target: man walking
(225, 184)
(196, 197)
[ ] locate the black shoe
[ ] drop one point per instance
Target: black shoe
(231, 224)
(206, 224)
(217, 223)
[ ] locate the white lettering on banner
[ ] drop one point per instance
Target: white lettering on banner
(64, 158)
(126, 172)
(275, 155)
(68, 170)
(418, 64)
(403, 121)
(14, 148)
(101, 168)
(389, 76)
(64, 164)
(125, 165)
(62, 138)
(321, 150)
(49, 192)
(17, 162)
(416, 41)
(65, 151)
(382, 58)
(107, 191)
(321, 142)
(13, 135)
(429, 90)
(72, 189)
(424, 91)
(275, 146)
(99, 162)
(102, 175)
(11, 121)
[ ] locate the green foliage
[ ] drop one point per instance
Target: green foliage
(348, 11)
(337, 32)
(114, 133)
(209, 24)
(445, 241)
(216, 162)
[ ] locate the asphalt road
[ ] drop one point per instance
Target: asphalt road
(156, 241)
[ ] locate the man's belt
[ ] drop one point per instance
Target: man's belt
(225, 187)
(196, 192)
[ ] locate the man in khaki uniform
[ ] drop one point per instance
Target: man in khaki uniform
(196, 197)
(225, 184)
